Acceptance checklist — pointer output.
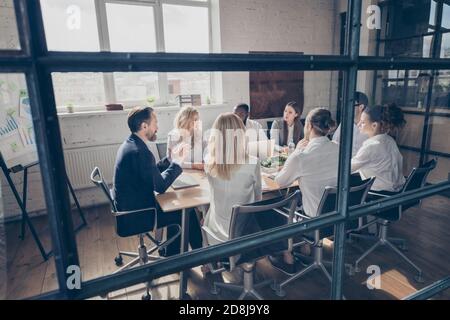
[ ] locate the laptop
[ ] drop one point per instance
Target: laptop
(262, 149)
(184, 181)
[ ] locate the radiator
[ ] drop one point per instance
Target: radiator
(81, 162)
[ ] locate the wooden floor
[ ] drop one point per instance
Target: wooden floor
(426, 230)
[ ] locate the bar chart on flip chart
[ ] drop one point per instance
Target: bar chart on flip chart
(17, 141)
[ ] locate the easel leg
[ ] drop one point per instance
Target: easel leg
(24, 213)
(72, 192)
(24, 201)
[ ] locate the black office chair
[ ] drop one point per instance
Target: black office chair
(134, 223)
(416, 180)
(328, 203)
(241, 217)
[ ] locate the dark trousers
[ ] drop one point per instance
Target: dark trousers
(174, 218)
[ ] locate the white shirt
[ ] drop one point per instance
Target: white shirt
(358, 138)
(379, 157)
(315, 167)
(255, 131)
(243, 187)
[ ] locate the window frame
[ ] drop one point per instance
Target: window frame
(109, 84)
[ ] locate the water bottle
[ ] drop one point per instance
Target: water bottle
(291, 146)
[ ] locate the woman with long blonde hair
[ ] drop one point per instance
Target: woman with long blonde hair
(234, 176)
(187, 133)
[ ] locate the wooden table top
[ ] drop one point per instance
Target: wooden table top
(197, 196)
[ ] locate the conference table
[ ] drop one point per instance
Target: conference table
(192, 197)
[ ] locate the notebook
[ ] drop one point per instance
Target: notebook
(184, 181)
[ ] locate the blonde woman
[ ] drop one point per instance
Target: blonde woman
(233, 176)
(187, 133)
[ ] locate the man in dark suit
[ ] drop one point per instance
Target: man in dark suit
(137, 176)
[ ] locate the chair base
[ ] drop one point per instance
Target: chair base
(383, 240)
(248, 289)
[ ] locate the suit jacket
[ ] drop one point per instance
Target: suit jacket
(137, 175)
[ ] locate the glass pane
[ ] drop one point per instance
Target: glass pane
(446, 16)
(70, 25)
(411, 134)
(137, 86)
(441, 172)
(441, 91)
(402, 28)
(186, 29)
(410, 160)
(9, 37)
(445, 46)
(23, 271)
(78, 89)
(440, 131)
(131, 28)
(188, 83)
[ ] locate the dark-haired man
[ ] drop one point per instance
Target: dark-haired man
(137, 176)
(242, 110)
(361, 102)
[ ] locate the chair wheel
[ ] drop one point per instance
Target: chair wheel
(118, 260)
(278, 290)
(419, 279)
(215, 290)
(187, 297)
(147, 296)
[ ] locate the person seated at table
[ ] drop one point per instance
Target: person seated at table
(137, 176)
(234, 177)
(379, 155)
(254, 129)
(361, 102)
(314, 163)
(289, 130)
(188, 131)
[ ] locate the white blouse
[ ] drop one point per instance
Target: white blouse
(379, 157)
(315, 167)
(244, 187)
(196, 153)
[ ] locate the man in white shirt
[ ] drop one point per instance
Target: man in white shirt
(361, 102)
(254, 128)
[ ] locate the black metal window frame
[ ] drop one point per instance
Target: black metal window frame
(437, 33)
(37, 64)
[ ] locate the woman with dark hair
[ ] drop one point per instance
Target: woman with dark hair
(289, 129)
(379, 155)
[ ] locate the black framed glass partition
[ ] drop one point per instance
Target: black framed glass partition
(42, 67)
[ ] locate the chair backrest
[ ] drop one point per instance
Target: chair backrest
(128, 223)
(242, 215)
(328, 203)
(416, 180)
(99, 181)
(162, 149)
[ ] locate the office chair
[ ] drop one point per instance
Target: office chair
(241, 217)
(328, 203)
(416, 180)
(133, 223)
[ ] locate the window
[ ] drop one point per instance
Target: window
(78, 88)
(132, 26)
(70, 25)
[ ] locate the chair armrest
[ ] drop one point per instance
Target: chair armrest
(123, 213)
